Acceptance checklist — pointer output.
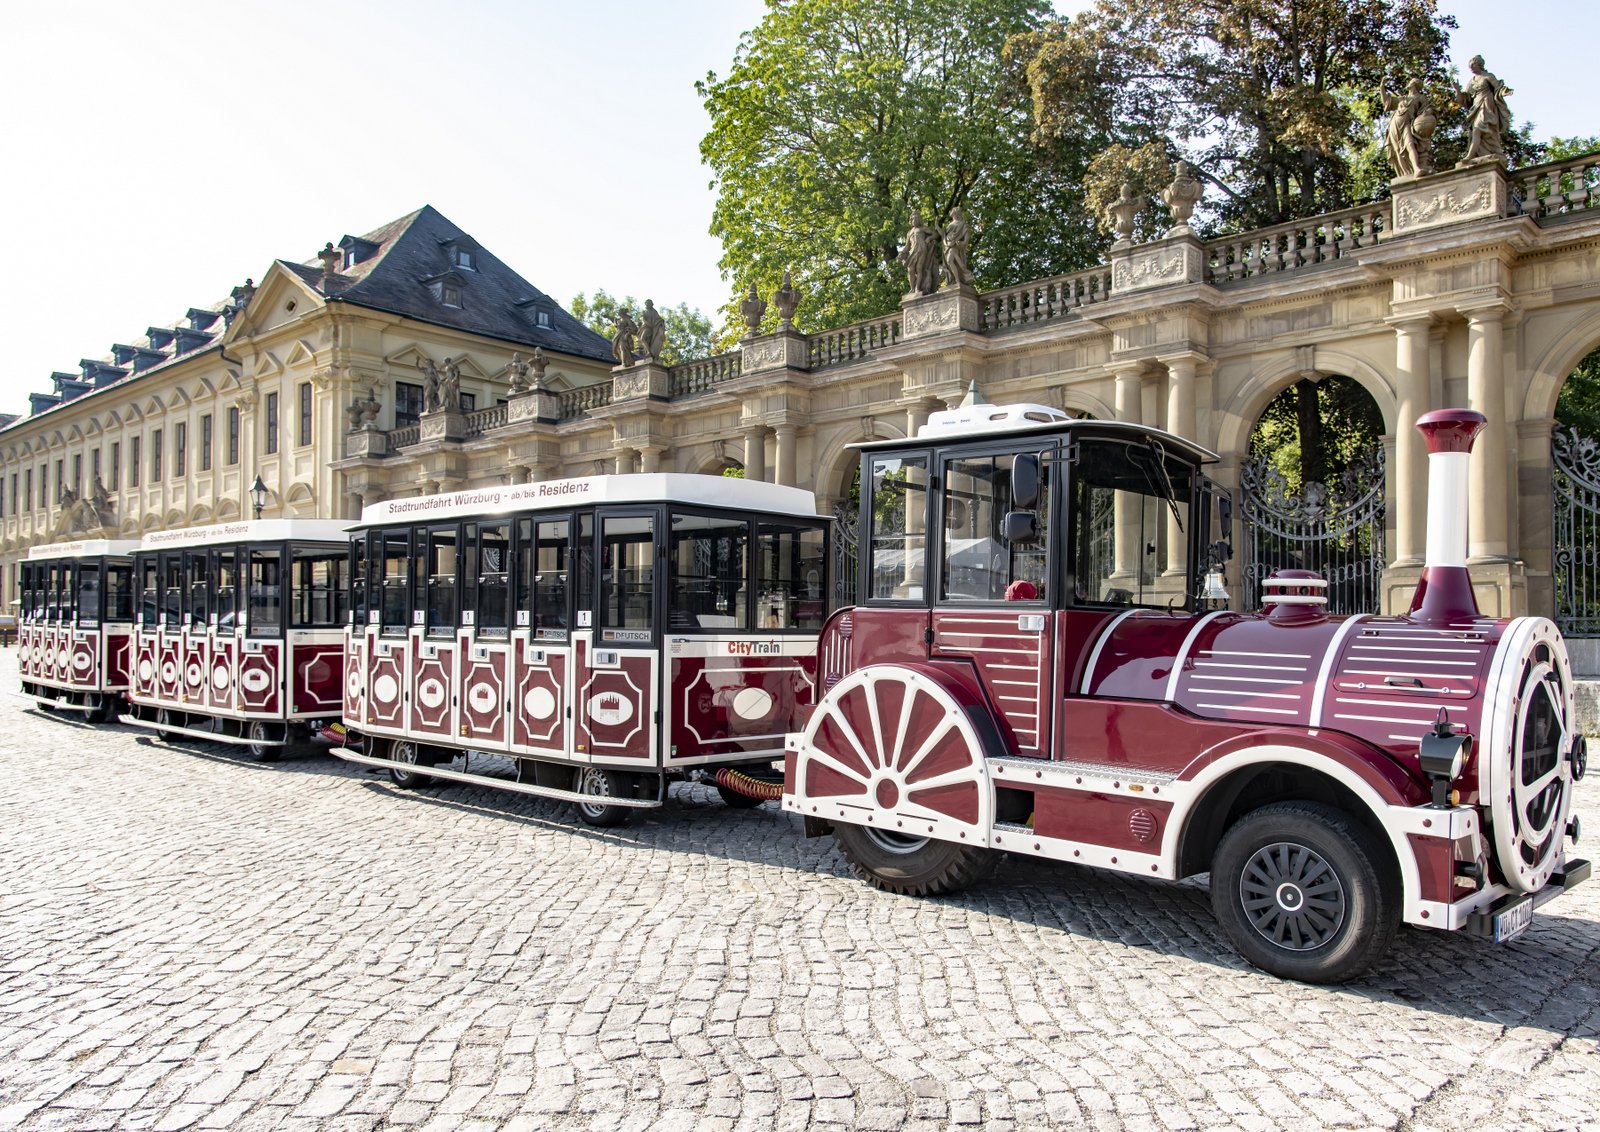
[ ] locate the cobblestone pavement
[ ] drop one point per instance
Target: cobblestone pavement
(190, 940)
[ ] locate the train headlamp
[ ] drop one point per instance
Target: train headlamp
(1443, 755)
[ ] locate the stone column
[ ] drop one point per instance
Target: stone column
(1409, 475)
(786, 455)
(1125, 571)
(1487, 508)
(1180, 422)
(624, 461)
(755, 452)
(650, 458)
(520, 473)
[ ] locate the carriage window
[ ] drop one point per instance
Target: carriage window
(88, 593)
(627, 577)
(52, 596)
(551, 559)
(199, 588)
(1127, 500)
(172, 591)
(710, 560)
(790, 568)
(227, 590)
(265, 585)
(148, 595)
(490, 574)
(358, 581)
(318, 587)
(119, 591)
(393, 568)
(899, 522)
(441, 578)
(979, 564)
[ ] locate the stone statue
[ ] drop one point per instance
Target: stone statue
(518, 369)
(540, 364)
(1182, 195)
(652, 332)
(1488, 115)
(623, 343)
(1121, 213)
(921, 257)
(1411, 126)
(751, 308)
(957, 243)
(100, 502)
(787, 298)
(430, 386)
(450, 386)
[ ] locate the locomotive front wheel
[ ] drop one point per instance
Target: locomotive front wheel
(912, 866)
(1304, 892)
(260, 734)
(600, 784)
(405, 751)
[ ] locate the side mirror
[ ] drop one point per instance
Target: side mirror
(1025, 481)
(1225, 514)
(1019, 526)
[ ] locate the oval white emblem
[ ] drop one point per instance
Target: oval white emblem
(610, 709)
(385, 688)
(82, 661)
(62, 658)
(146, 670)
(219, 677)
(431, 693)
(23, 654)
(752, 703)
(255, 680)
(194, 674)
(352, 684)
(482, 697)
(540, 703)
(169, 672)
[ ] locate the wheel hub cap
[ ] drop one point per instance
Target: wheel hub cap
(1292, 896)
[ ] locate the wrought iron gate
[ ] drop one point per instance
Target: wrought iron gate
(1575, 464)
(845, 553)
(1337, 532)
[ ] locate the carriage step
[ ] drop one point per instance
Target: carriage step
(351, 756)
(196, 733)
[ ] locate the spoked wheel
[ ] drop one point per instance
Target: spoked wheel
(600, 784)
(1304, 892)
(913, 866)
(261, 734)
(164, 721)
(406, 751)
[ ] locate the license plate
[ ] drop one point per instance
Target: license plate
(1511, 923)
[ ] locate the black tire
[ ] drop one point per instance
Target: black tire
(913, 866)
(104, 710)
(1305, 892)
(736, 800)
(162, 721)
(410, 752)
(600, 784)
(261, 733)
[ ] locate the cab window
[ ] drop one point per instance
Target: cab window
(119, 591)
(1128, 498)
(88, 593)
(265, 585)
(489, 577)
(978, 562)
(791, 573)
(710, 560)
(627, 580)
(391, 566)
(898, 521)
(549, 563)
(318, 587)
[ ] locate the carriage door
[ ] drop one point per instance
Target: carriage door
(615, 699)
(992, 607)
(541, 635)
(485, 674)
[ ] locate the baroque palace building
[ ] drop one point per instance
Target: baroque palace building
(1477, 286)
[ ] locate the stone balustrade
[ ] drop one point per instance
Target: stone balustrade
(1557, 187)
(689, 378)
(1044, 299)
(848, 343)
(404, 437)
(483, 420)
(1295, 245)
(576, 402)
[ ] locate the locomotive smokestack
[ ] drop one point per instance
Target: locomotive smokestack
(1445, 592)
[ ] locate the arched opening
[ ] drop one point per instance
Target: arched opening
(1575, 501)
(1312, 492)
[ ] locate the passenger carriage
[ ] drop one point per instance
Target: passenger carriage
(606, 634)
(75, 624)
(240, 632)
(1032, 669)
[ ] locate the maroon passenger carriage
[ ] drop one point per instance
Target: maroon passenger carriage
(74, 626)
(606, 634)
(240, 634)
(1334, 775)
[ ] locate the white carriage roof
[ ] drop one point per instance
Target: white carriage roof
(84, 548)
(654, 487)
(973, 422)
(256, 530)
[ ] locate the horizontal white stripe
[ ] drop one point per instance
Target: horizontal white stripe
(1406, 675)
(1372, 718)
(1002, 652)
(1248, 667)
(1252, 708)
(1405, 648)
(1245, 679)
(1431, 709)
(1270, 655)
(1251, 692)
(1423, 660)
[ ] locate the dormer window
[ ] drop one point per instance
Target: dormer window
(447, 288)
(450, 294)
(461, 252)
(356, 250)
(542, 318)
(465, 258)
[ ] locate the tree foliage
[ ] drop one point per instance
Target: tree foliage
(1272, 100)
(838, 118)
(688, 331)
(1313, 431)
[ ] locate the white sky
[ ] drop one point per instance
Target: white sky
(157, 154)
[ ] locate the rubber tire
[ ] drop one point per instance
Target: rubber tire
(737, 801)
(104, 711)
(256, 731)
(601, 817)
(936, 868)
(1362, 864)
(406, 779)
(163, 719)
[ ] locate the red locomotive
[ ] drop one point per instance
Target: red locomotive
(1021, 675)
(74, 631)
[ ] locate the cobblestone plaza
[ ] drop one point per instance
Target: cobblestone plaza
(192, 940)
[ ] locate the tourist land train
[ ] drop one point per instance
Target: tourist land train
(1012, 679)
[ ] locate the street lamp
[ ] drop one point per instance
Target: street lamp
(258, 495)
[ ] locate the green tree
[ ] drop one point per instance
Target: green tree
(1271, 100)
(840, 117)
(1313, 431)
(688, 331)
